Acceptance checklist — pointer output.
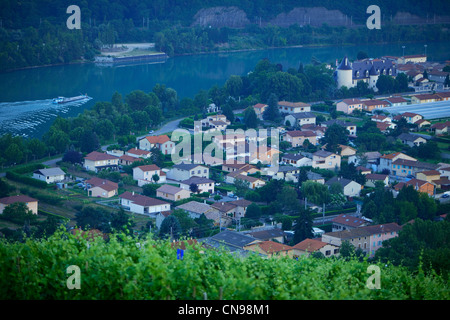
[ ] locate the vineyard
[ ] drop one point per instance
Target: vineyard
(123, 268)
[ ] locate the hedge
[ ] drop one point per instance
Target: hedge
(27, 180)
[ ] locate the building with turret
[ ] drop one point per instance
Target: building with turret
(368, 70)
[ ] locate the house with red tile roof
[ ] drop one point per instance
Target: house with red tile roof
(138, 153)
(440, 128)
(374, 104)
(387, 159)
(270, 249)
(96, 161)
(31, 203)
(145, 174)
(349, 105)
(419, 185)
(161, 142)
(309, 246)
(347, 222)
(102, 188)
(141, 204)
(369, 238)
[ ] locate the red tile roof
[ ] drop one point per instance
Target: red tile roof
(97, 156)
(18, 198)
(310, 245)
(157, 139)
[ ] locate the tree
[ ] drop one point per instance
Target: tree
(73, 157)
(253, 211)
(37, 148)
(447, 81)
(272, 113)
(334, 136)
(234, 86)
(157, 156)
(228, 112)
(149, 189)
(303, 226)
(288, 201)
(19, 213)
(269, 191)
(315, 192)
(187, 224)
(91, 217)
(362, 55)
(121, 221)
(250, 118)
(137, 100)
(423, 244)
(170, 228)
(13, 154)
(194, 188)
(242, 186)
(204, 227)
(385, 84)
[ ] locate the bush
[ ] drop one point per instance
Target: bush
(26, 180)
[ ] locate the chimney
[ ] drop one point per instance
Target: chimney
(132, 193)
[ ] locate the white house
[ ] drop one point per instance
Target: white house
(299, 119)
(293, 107)
(96, 161)
(145, 174)
(142, 204)
(350, 188)
(203, 184)
(326, 160)
(50, 175)
(162, 142)
(184, 171)
(296, 160)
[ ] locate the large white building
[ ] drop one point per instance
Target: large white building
(368, 70)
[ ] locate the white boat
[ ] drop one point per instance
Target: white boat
(61, 100)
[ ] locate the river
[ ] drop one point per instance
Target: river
(25, 95)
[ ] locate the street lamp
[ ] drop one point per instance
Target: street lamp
(425, 45)
(403, 47)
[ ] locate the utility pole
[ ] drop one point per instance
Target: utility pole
(323, 213)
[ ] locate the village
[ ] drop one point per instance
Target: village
(230, 186)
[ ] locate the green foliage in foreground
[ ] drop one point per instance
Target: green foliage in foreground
(119, 269)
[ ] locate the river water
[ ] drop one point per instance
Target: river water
(25, 95)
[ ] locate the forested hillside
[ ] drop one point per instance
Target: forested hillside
(34, 33)
(19, 14)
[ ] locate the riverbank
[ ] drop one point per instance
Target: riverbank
(324, 45)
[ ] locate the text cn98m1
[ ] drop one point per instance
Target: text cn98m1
(247, 309)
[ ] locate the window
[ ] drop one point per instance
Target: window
(328, 252)
(379, 243)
